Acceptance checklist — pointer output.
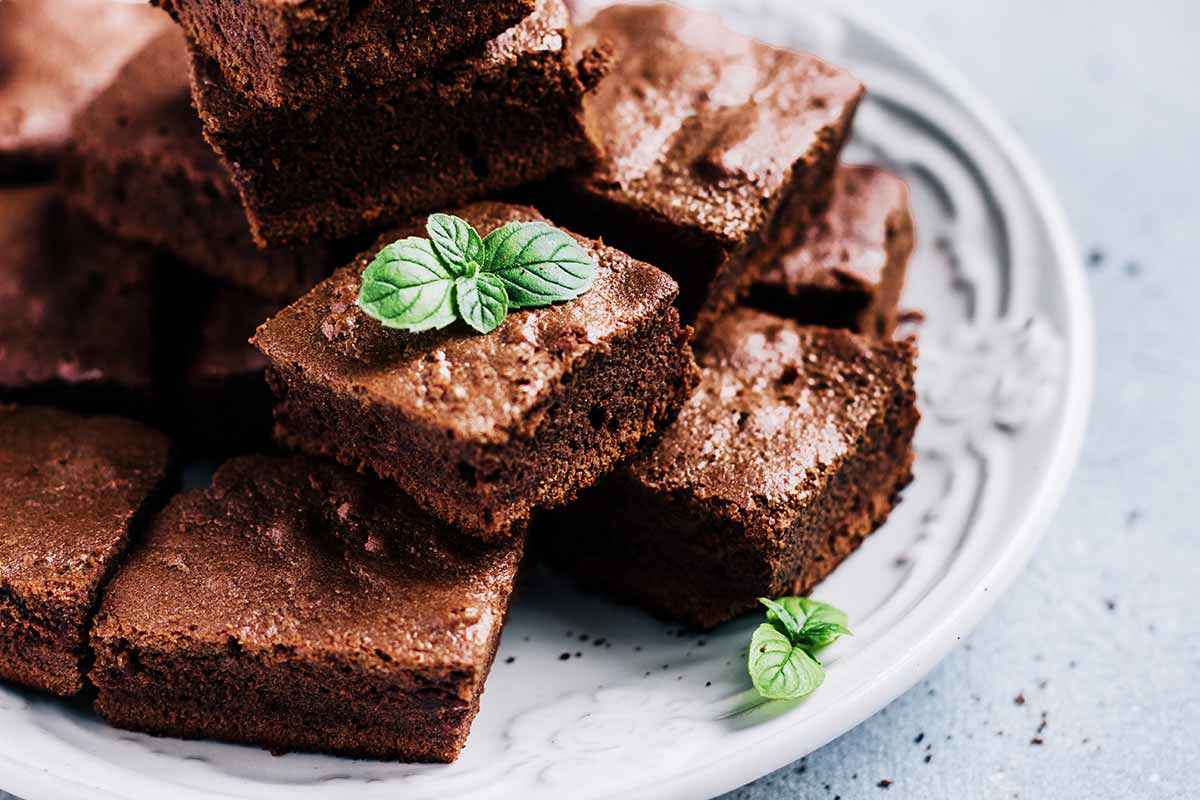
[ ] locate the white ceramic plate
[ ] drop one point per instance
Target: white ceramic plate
(643, 711)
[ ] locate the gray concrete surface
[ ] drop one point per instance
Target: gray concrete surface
(1100, 636)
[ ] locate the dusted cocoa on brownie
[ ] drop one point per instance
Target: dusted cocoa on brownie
(55, 55)
(298, 605)
(284, 53)
(719, 149)
(483, 430)
(507, 114)
(76, 309)
(850, 269)
(70, 490)
(791, 451)
(141, 168)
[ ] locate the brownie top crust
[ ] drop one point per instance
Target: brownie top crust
(848, 247)
(702, 126)
(75, 304)
(69, 486)
(476, 388)
(291, 552)
(55, 55)
(778, 406)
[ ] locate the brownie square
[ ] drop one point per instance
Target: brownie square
(55, 55)
(850, 270)
(506, 114)
(76, 308)
(483, 430)
(298, 605)
(790, 452)
(71, 489)
(141, 168)
(719, 150)
(284, 53)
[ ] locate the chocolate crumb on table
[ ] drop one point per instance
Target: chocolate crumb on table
(719, 150)
(791, 451)
(484, 430)
(850, 270)
(284, 53)
(140, 167)
(55, 55)
(298, 605)
(71, 492)
(505, 114)
(77, 309)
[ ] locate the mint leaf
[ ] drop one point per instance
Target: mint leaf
(781, 616)
(481, 301)
(538, 264)
(407, 287)
(779, 669)
(819, 635)
(816, 611)
(456, 243)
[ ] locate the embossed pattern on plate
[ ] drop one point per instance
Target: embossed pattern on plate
(645, 710)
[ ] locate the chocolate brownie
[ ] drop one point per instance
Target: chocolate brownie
(76, 308)
(284, 53)
(71, 489)
(850, 269)
(790, 452)
(509, 113)
(298, 605)
(140, 167)
(719, 150)
(55, 55)
(483, 430)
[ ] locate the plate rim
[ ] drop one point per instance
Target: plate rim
(752, 760)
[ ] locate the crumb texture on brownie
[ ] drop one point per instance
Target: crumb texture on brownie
(788, 454)
(55, 55)
(509, 113)
(850, 270)
(500, 424)
(140, 167)
(70, 488)
(284, 53)
(75, 305)
(298, 605)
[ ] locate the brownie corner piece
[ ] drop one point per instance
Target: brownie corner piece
(718, 150)
(850, 269)
(792, 450)
(298, 605)
(505, 114)
(285, 54)
(484, 430)
(71, 489)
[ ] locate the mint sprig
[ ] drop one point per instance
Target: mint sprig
(782, 657)
(417, 284)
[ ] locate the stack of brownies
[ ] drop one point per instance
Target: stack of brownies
(724, 415)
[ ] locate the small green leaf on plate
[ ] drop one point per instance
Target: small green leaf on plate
(407, 287)
(538, 264)
(482, 301)
(788, 620)
(779, 669)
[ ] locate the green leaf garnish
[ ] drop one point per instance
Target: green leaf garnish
(782, 656)
(481, 301)
(779, 669)
(538, 264)
(420, 284)
(407, 287)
